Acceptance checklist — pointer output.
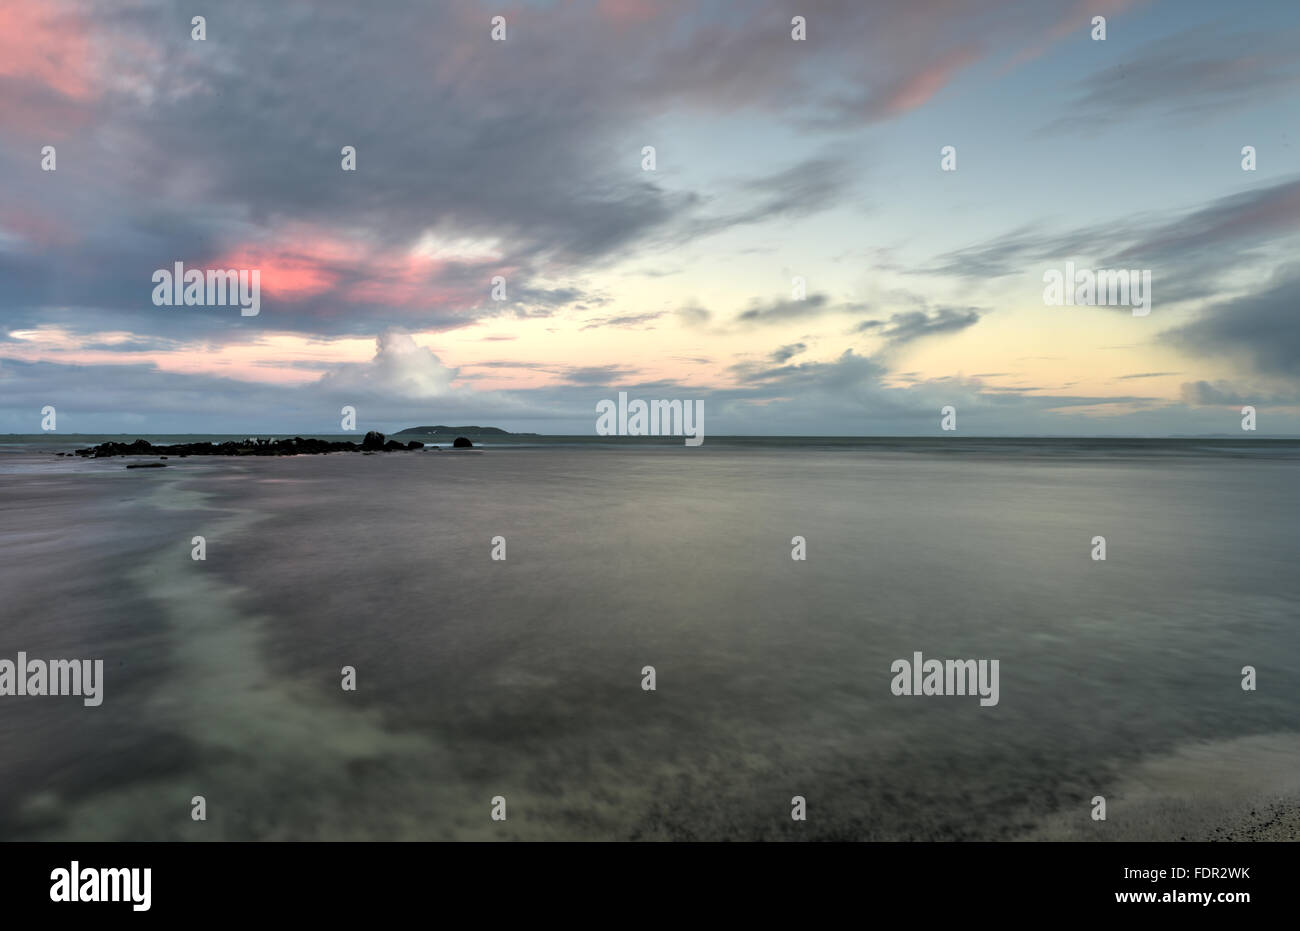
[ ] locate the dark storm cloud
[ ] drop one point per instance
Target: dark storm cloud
(1221, 393)
(1263, 326)
(1205, 393)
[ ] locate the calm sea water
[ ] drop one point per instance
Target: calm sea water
(522, 678)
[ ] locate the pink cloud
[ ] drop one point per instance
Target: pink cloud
(40, 230)
(296, 263)
(290, 273)
(269, 360)
(1077, 18)
(302, 263)
(45, 70)
(41, 44)
(629, 12)
(917, 88)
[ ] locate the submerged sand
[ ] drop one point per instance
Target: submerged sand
(1247, 789)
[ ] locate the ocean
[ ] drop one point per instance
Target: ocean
(519, 684)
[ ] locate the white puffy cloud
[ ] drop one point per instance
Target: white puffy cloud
(401, 368)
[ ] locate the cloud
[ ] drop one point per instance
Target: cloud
(1200, 71)
(850, 394)
(1263, 326)
(779, 311)
(231, 147)
(693, 315)
(912, 325)
(799, 190)
(1204, 393)
(1189, 251)
(400, 368)
(522, 160)
(1225, 393)
(626, 320)
(786, 353)
(47, 87)
(912, 88)
(597, 375)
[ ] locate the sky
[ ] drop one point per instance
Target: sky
(797, 257)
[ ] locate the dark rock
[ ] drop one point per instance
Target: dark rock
(414, 445)
(297, 446)
(461, 443)
(138, 448)
(147, 465)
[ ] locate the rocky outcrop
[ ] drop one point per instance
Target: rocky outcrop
(296, 446)
(461, 442)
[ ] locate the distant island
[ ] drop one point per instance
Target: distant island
(462, 431)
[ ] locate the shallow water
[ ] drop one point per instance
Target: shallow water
(522, 678)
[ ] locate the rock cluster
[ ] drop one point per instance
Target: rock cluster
(295, 446)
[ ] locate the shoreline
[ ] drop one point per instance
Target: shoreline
(1238, 790)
